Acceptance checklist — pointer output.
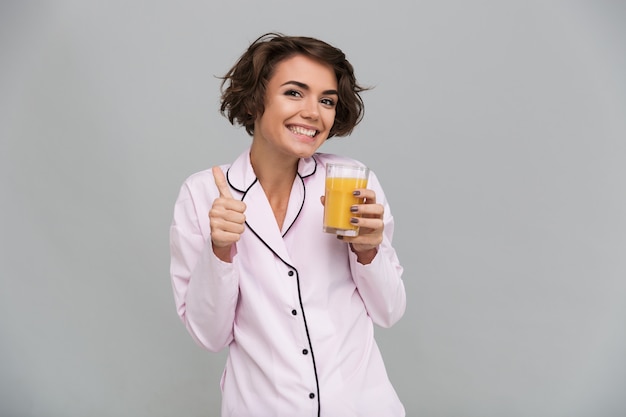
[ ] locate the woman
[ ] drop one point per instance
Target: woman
(252, 269)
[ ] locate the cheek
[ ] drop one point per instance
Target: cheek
(329, 118)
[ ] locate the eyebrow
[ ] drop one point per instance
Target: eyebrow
(306, 87)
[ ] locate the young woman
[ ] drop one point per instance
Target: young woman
(251, 268)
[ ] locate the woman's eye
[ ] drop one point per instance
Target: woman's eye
(293, 93)
(328, 102)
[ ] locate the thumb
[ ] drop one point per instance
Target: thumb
(220, 182)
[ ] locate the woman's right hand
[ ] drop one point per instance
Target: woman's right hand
(226, 218)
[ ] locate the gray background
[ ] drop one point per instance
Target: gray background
(497, 128)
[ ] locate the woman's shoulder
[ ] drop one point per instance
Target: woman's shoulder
(199, 177)
(201, 182)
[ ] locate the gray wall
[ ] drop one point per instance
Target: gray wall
(497, 128)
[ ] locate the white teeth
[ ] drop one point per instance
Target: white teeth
(302, 131)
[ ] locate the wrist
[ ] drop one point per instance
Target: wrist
(224, 253)
(364, 256)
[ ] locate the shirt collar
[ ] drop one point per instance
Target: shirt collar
(241, 175)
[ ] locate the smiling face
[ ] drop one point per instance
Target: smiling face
(300, 102)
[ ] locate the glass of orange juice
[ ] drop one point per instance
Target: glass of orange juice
(341, 181)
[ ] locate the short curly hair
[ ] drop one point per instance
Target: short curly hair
(244, 85)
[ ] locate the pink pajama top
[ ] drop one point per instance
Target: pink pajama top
(294, 308)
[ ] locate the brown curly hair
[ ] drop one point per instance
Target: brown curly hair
(243, 87)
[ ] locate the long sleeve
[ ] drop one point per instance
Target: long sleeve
(205, 288)
(380, 282)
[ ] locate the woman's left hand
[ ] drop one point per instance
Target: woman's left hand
(370, 223)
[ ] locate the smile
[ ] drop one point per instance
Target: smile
(298, 130)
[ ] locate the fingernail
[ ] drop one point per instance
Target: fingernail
(356, 193)
(354, 220)
(354, 209)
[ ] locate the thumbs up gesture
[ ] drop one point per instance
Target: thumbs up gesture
(226, 218)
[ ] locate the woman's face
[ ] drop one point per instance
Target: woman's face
(300, 103)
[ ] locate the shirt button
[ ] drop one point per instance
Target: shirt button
(304, 351)
(290, 273)
(294, 312)
(311, 395)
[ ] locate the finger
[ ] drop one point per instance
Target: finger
(368, 210)
(368, 224)
(229, 209)
(368, 195)
(323, 200)
(225, 226)
(220, 182)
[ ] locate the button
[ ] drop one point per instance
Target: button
(294, 312)
(304, 351)
(290, 273)
(311, 395)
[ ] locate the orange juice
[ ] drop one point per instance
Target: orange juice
(339, 199)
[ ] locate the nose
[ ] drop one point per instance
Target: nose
(310, 110)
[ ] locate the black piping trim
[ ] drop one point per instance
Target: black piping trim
(256, 179)
(314, 169)
(306, 327)
(300, 210)
(237, 189)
